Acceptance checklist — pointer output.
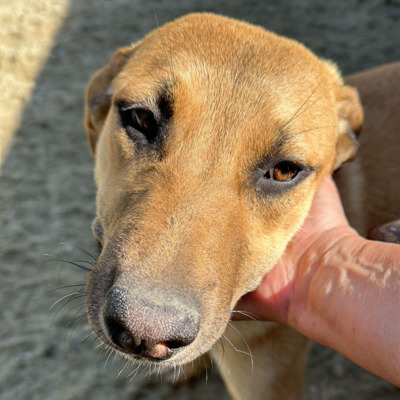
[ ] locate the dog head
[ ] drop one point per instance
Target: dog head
(210, 138)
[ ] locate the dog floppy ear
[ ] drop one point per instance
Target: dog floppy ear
(350, 118)
(99, 93)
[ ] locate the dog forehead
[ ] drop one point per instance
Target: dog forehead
(209, 49)
(231, 76)
(207, 57)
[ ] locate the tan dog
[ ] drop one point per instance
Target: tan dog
(211, 137)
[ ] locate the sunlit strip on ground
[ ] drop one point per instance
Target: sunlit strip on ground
(27, 33)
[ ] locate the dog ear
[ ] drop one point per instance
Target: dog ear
(99, 93)
(350, 118)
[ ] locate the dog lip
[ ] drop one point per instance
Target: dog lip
(160, 354)
(156, 353)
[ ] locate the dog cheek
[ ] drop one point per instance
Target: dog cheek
(272, 230)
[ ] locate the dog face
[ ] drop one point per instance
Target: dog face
(210, 138)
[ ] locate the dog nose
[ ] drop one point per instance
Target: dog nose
(149, 328)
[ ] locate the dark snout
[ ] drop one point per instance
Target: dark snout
(150, 326)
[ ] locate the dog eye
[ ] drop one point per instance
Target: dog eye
(276, 179)
(140, 120)
(282, 172)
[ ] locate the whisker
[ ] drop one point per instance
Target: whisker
(245, 342)
(122, 370)
(174, 378)
(152, 369)
(87, 336)
(82, 267)
(78, 248)
(206, 367)
(78, 318)
(159, 371)
(101, 344)
(212, 364)
(95, 339)
(64, 297)
(314, 102)
(135, 372)
(221, 341)
(110, 352)
(83, 261)
(59, 288)
(295, 115)
(76, 297)
(247, 314)
(73, 325)
(314, 129)
(236, 349)
(179, 372)
(148, 373)
(163, 45)
(183, 372)
(219, 346)
(253, 317)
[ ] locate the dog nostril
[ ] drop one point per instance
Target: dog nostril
(122, 338)
(175, 344)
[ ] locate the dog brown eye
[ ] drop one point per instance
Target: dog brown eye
(145, 121)
(275, 178)
(140, 120)
(282, 172)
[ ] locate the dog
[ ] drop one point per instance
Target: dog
(210, 139)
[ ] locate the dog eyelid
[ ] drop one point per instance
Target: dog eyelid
(124, 105)
(140, 122)
(280, 176)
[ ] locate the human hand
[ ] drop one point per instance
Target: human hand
(336, 288)
(283, 292)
